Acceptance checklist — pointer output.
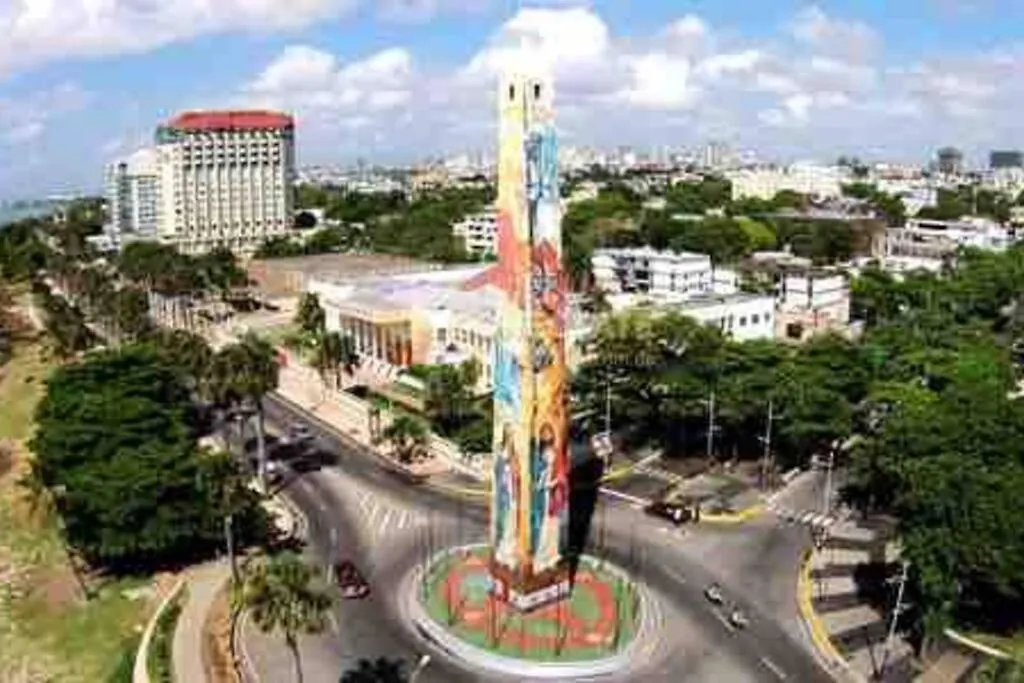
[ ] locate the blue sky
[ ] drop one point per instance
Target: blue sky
(83, 81)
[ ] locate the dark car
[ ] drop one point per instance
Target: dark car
(352, 584)
(299, 432)
(677, 514)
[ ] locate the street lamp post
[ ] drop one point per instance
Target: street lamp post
(420, 666)
(767, 441)
(711, 426)
(827, 500)
(896, 611)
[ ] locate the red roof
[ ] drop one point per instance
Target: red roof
(231, 120)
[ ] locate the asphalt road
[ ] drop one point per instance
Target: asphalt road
(696, 642)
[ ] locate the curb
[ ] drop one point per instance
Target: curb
(744, 515)
(980, 648)
(823, 645)
(140, 671)
(437, 636)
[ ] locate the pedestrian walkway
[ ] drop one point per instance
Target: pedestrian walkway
(856, 628)
(809, 518)
(204, 582)
(383, 518)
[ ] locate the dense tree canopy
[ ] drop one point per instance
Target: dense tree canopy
(115, 444)
(929, 394)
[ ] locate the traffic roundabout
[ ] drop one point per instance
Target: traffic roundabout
(593, 632)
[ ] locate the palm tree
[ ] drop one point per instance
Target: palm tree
(190, 354)
(335, 353)
(310, 316)
(407, 436)
(281, 596)
(242, 374)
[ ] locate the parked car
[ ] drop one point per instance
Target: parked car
(714, 594)
(738, 619)
(351, 582)
(677, 514)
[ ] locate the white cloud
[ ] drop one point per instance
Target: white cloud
(821, 85)
(38, 31)
(24, 117)
(852, 39)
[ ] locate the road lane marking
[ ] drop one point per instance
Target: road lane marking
(676, 576)
(774, 668)
(365, 500)
(333, 621)
(334, 537)
(721, 618)
(383, 526)
(624, 496)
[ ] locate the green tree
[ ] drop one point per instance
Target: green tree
(281, 595)
(114, 436)
(241, 375)
(333, 354)
(407, 436)
(450, 390)
(310, 316)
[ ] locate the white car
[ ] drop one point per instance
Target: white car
(738, 619)
(714, 594)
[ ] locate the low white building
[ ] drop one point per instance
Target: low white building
(821, 182)
(479, 232)
(743, 317)
(811, 303)
(937, 240)
(646, 270)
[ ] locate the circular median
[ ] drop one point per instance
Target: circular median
(589, 633)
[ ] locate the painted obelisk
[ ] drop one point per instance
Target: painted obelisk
(529, 493)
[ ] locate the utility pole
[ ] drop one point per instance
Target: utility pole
(608, 408)
(827, 502)
(711, 425)
(896, 611)
(767, 441)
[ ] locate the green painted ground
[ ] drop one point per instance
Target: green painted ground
(532, 636)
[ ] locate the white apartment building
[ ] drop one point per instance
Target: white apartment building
(741, 316)
(479, 232)
(217, 178)
(936, 240)
(810, 303)
(133, 196)
(226, 179)
(646, 270)
(822, 182)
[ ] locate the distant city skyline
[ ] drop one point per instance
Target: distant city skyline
(399, 81)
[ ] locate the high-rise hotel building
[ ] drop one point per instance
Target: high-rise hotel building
(220, 178)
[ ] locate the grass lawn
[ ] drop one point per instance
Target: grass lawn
(46, 630)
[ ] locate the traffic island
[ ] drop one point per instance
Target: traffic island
(591, 632)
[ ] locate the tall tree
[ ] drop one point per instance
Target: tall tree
(115, 437)
(334, 354)
(281, 595)
(310, 316)
(241, 375)
(407, 437)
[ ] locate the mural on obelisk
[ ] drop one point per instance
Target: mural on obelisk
(529, 504)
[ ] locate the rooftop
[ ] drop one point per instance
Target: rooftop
(231, 120)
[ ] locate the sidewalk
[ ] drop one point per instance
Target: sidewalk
(204, 582)
(848, 631)
(350, 415)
